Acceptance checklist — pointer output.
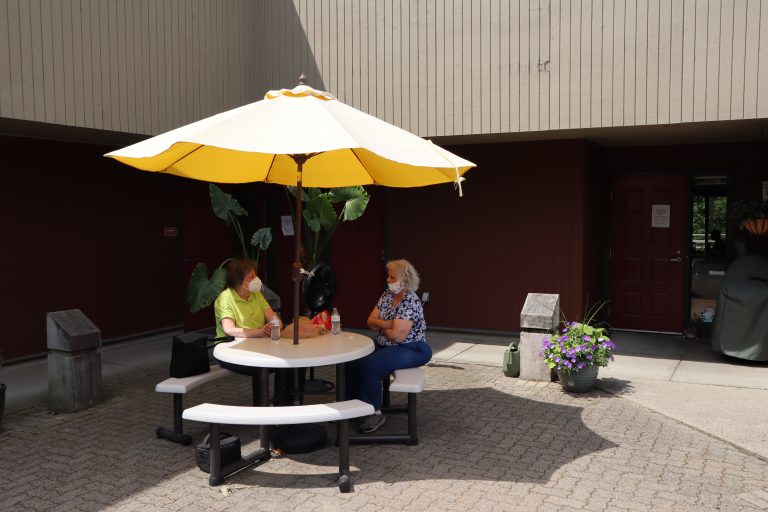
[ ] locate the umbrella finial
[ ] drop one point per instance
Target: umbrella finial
(302, 79)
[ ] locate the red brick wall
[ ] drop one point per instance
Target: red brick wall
(80, 231)
(522, 226)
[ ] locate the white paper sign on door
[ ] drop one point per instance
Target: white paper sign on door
(659, 215)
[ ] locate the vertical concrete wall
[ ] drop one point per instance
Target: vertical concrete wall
(137, 66)
(433, 67)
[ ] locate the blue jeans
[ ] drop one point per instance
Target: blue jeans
(365, 375)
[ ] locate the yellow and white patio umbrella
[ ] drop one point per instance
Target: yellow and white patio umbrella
(299, 137)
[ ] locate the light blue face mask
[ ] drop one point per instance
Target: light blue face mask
(395, 287)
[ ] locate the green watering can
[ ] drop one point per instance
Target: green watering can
(511, 364)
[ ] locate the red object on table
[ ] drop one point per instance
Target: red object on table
(323, 318)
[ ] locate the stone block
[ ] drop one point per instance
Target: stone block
(540, 311)
(74, 380)
(71, 331)
(532, 365)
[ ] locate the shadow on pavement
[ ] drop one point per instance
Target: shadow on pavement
(110, 453)
(616, 386)
(443, 365)
(473, 434)
(673, 347)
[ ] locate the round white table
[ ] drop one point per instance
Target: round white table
(264, 354)
(321, 351)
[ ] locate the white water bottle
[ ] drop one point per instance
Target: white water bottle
(275, 333)
(335, 322)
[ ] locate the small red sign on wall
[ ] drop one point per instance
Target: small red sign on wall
(170, 231)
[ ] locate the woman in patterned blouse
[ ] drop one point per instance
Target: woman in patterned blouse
(401, 342)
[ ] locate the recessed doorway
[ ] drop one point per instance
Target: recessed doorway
(709, 204)
(648, 214)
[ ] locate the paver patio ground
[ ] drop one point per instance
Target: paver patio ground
(487, 443)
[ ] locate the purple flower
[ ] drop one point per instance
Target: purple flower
(580, 366)
(545, 343)
(565, 330)
(568, 364)
(594, 347)
(589, 357)
(557, 359)
(587, 338)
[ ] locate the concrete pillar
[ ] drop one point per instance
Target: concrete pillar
(74, 361)
(540, 314)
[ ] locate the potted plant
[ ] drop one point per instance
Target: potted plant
(202, 289)
(321, 216)
(577, 351)
(751, 215)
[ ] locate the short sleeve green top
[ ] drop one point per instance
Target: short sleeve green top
(247, 313)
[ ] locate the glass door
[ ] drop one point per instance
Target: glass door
(707, 248)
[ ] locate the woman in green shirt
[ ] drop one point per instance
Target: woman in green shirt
(241, 310)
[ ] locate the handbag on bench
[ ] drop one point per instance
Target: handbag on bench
(189, 354)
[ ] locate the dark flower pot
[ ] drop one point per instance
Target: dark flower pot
(581, 381)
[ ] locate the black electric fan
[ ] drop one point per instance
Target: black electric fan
(319, 291)
(319, 288)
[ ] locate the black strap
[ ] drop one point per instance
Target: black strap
(222, 339)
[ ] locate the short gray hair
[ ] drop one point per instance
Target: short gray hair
(408, 275)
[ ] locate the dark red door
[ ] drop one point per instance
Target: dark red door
(648, 252)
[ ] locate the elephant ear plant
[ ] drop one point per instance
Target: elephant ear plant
(203, 289)
(321, 217)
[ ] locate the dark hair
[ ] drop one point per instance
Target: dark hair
(236, 272)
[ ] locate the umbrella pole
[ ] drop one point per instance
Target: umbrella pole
(296, 270)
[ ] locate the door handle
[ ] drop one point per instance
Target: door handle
(676, 260)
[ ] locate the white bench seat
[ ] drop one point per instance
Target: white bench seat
(185, 384)
(287, 415)
(179, 387)
(217, 415)
(411, 381)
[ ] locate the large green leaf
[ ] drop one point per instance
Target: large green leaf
(355, 201)
(202, 290)
(262, 238)
(224, 204)
(354, 208)
(312, 220)
(341, 194)
(319, 213)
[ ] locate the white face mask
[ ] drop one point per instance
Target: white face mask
(395, 287)
(255, 285)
